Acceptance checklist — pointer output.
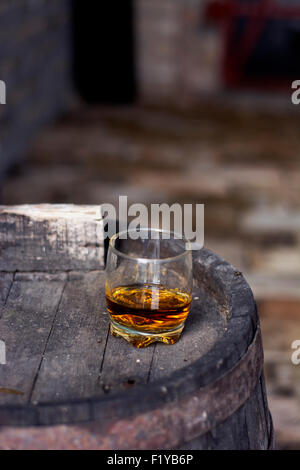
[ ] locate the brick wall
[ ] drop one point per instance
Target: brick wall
(35, 63)
(178, 53)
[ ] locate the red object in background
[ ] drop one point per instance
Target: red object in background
(257, 13)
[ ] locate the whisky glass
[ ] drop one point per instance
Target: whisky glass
(149, 283)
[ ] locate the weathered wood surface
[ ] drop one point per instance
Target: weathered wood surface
(64, 368)
(6, 280)
(25, 325)
(55, 327)
(50, 237)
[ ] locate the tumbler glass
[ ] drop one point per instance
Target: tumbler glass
(149, 284)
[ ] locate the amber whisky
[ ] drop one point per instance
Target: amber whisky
(149, 308)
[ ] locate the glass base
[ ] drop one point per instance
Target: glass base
(142, 340)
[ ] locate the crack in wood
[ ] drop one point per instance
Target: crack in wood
(103, 357)
(46, 343)
(151, 364)
(8, 293)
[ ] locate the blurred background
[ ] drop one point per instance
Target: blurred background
(169, 101)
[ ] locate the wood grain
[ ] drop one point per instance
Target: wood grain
(6, 280)
(72, 360)
(25, 325)
(80, 359)
(46, 237)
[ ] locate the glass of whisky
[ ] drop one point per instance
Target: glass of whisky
(149, 284)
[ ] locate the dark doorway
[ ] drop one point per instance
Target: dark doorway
(103, 48)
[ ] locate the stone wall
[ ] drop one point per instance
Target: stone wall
(35, 64)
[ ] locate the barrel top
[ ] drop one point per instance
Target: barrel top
(62, 365)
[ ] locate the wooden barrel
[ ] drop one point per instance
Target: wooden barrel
(67, 384)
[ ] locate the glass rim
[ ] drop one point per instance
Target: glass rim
(150, 260)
